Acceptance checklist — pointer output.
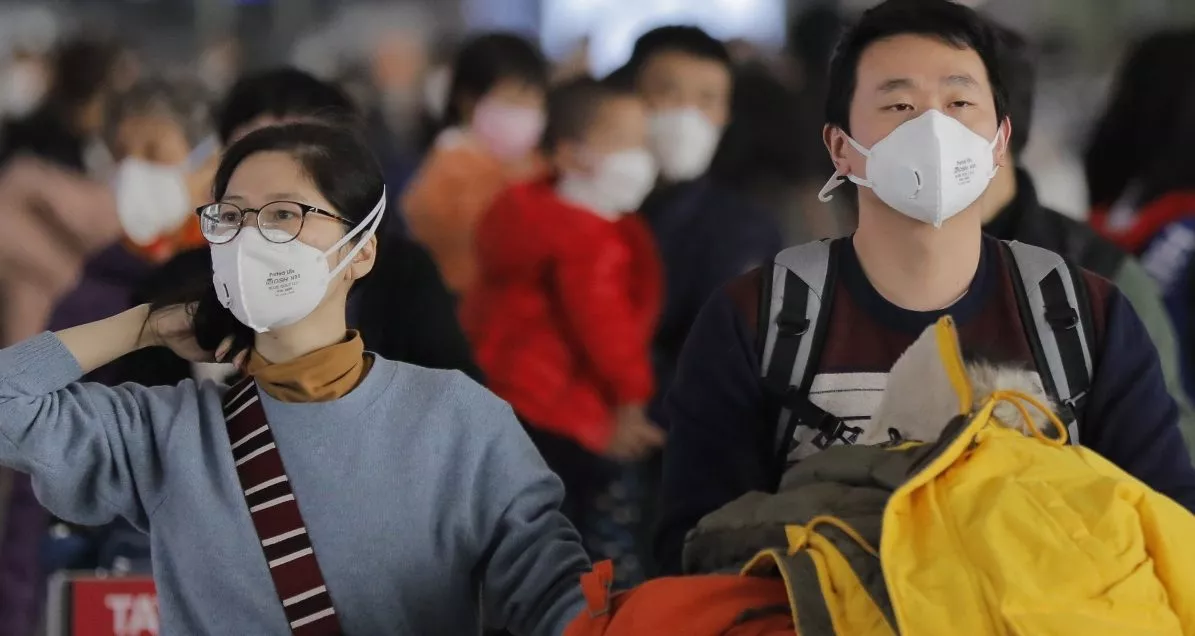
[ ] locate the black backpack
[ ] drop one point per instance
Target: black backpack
(1051, 294)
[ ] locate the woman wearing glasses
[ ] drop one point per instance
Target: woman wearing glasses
(333, 492)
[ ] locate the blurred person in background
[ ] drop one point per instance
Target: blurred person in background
(161, 135)
(760, 155)
(492, 124)
(566, 303)
(707, 232)
(53, 220)
(67, 126)
(27, 38)
(379, 54)
(151, 130)
(1016, 215)
(812, 34)
(1141, 178)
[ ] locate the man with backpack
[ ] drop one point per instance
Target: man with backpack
(792, 358)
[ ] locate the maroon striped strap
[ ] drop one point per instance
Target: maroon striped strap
(276, 517)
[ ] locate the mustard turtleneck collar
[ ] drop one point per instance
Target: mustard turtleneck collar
(320, 376)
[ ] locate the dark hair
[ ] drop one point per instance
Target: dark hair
(1018, 70)
(83, 69)
(487, 60)
(764, 140)
(282, 92)
(954, 24)
(690, 40)
(574, 105)
(1147, 130)
(177, 97)
(812, 35)
(342, 167)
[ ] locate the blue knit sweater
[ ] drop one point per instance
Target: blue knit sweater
(421, 493)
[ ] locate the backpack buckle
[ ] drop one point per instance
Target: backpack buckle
(1062, 318)
(789, 325)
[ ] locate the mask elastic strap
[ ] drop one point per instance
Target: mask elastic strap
(837, 179)
(992, 148)
(376, 217)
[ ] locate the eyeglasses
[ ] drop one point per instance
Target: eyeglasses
(278, 221)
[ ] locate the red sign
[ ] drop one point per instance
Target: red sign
(114, 607)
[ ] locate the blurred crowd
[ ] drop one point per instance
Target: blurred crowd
(510, 253)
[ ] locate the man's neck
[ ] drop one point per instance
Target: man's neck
(1000, 193)
(912, 264)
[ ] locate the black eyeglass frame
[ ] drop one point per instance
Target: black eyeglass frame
(304, 209)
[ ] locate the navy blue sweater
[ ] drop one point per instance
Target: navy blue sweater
(719, 443)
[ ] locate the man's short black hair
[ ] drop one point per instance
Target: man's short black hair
(952, 23)
(689, 40)
(1018, 70)
(283, 92)
(574, 105)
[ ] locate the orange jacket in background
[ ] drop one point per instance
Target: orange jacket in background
(446, 199)
(184, 239)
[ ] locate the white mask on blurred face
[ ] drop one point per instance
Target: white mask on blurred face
(510, 132)
(684, 141)
(22, 88)
(151, 199)
(617, 184)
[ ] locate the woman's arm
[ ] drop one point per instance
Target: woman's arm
(97, 343)
(94, 452)
(530, 557)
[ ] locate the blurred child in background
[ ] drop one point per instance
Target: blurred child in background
(566, 304)
(493, 122)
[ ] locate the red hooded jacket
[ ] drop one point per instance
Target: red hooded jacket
(564, 311)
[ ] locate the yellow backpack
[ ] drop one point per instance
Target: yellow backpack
(999, 527)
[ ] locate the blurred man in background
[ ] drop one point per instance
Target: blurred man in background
(706, 232)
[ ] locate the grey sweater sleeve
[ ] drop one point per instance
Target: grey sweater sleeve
(532, 559)
(93, 452)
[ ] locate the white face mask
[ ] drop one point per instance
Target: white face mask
(22, 87)
(269, 285)
(151, 199)
(684, 141)
(929, 168)
(619, 183)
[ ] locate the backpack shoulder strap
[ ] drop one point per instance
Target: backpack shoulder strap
(1056, 313)
(793, 320)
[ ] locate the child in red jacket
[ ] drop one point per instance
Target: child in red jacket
(570, 288)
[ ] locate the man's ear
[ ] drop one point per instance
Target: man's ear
(365, 259)
(1004, 144)
(836, 145)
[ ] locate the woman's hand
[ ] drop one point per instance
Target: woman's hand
(173, 327)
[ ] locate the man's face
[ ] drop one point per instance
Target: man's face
(672, 79)
(900, 78)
